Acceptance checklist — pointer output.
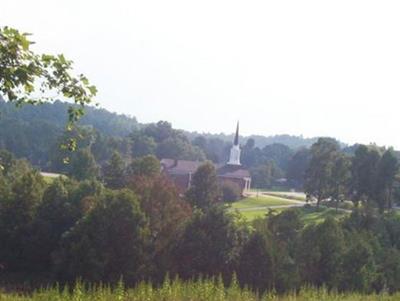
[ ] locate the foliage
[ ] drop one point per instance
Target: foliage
(107, 243)
(297, 167)
(167, 214)
(144, 166)
(319, 172)
(24, 75)
(263, 175)
(210, 244)
(83, 165)
(231, 192)
(114, 171)
(204, 191)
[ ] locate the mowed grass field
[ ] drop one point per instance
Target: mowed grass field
(259, 206)
(261, 201)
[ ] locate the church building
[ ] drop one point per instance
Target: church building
(181, 171)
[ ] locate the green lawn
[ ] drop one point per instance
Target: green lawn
(258, 207)
(251, 215)
(261, 201)
(308, 215)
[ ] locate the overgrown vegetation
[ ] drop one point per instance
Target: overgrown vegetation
(199, 290)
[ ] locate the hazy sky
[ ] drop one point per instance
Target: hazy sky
(315, 68)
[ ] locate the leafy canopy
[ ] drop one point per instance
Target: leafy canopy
(30, 78)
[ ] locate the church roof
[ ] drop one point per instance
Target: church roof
(233, 171)
(180, 166)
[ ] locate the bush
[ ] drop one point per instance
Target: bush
(231, 192)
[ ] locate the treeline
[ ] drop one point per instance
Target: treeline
(134, 224)
(36, 133)
(368, 176)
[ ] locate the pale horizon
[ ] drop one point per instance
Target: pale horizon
(310, 68)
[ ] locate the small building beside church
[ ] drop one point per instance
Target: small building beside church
(181, 171)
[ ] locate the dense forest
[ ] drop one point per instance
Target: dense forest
(130, 222)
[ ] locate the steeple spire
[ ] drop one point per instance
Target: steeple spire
(234, 158)
(236, 141)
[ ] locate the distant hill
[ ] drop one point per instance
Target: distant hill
(112, 124)
(56, 114)
(31, 131)
(293, 142)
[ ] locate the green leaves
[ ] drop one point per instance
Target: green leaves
(29, 78)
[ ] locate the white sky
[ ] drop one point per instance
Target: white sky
(315, 68)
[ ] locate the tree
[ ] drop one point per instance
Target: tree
(298, 166)
(256, 267)
(210, 245)
(284, 229)
(286, 226)
(264, 174)
(341, 176)
(142, 145)
(279, 153)
(177, 147)
(159, 131)
(25, 74)
(319, 172)
(114, 172)
(16, 217)
(167, 214)
(6, 161)
(204, 191)
(231, 192)
(364, 172)
(83, 165)
(250, 143)
(320, 253)
(56, 214)
(4, 190)
(388, 167)
(146, 166)
(108, 243)
(360, 270)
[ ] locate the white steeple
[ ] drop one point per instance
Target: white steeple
(234, 158)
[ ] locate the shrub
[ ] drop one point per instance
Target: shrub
(231, 192)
